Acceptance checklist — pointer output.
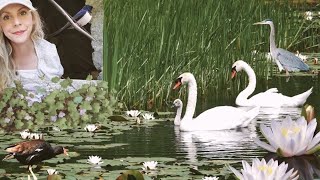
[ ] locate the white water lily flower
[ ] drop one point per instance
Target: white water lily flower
(210, 178)
(24, 134)
(55, 128)
(265, 171)
(147, 116)
(133, 113)
(308, 13)
(95, 160)
(302, 57)
(90, 127)
(290, 138)
(52, 171)
(149, 165)
(309, 18)
(36, 136)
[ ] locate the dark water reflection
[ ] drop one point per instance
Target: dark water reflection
(218, 145)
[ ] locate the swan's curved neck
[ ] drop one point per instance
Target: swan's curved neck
(192, 99)
(272, 37)
(243, 95)
(178, 116)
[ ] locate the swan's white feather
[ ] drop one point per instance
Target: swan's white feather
(269, 98)
(217, 118)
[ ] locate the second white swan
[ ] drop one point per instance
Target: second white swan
(217, 118)
(269, 98)
(178, 104)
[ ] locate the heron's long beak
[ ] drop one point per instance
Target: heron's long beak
(257, 23)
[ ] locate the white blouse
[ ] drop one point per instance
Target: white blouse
(49, 66)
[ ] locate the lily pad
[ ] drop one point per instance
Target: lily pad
(105, 146)
(164, 114)
(131, 174)
(143, 159)
(75, 167)
(119, 118)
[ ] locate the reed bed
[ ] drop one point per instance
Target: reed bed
(147, 44)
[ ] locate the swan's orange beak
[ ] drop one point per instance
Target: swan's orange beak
(177, 85)
(233, 73)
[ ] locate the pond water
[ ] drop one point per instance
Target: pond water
(180, 155)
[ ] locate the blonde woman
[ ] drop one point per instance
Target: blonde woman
(24, 54)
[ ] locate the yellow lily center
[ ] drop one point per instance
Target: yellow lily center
(290, 131)
(266, 169)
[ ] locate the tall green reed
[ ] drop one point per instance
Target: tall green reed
(147, 44)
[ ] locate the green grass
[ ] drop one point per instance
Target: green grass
(147, 44)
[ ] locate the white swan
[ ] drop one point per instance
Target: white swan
(269, 98)
(178, 104)
(217, 118)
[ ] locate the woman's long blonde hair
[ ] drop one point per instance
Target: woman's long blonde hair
(7, 68)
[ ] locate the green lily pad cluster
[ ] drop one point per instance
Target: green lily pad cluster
(21, 109)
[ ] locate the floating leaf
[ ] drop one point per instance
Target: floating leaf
(118, 118)
(54, 177)
(131, 175)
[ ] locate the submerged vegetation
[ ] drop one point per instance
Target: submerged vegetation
(149, 43)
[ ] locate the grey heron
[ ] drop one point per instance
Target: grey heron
(284, 59)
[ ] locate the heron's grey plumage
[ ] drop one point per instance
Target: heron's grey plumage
(289, 61)
(283, 58)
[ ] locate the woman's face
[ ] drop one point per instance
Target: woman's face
(16, 22)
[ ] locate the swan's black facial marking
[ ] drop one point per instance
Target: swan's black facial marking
(178, 79)
(177, 83)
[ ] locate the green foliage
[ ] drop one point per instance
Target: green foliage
(147, 44)
(90, 103)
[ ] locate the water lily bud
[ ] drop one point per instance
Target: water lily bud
(309, 113)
